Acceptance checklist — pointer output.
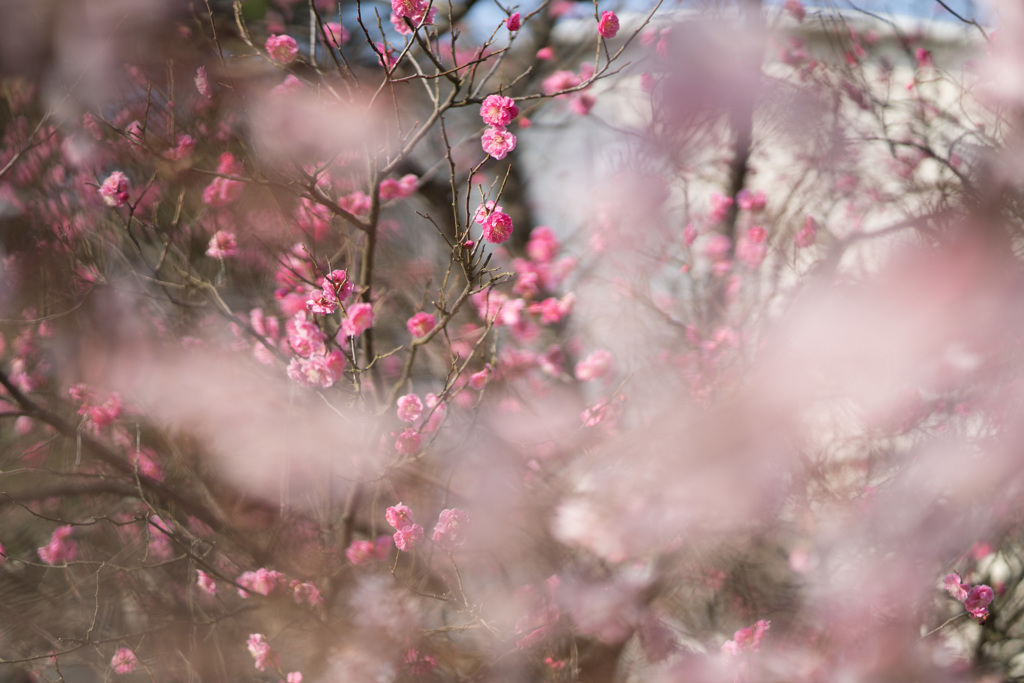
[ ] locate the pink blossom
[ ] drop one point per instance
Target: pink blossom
(796, 9)
(360, 552)
(206, 582)
(751, 201)
(322, 302)
(222, 245)
(306, 592)
(282, 49)
(514, 22)
(408, 8)
(923, 57)
(222, 191)
(479, 379)
(260, 650)
(419, 663)
(337, 34)
(304, 336)
(437, 409)
(608, 25)
(421, 324)
(263, 581)
(399, 516)
(497, 227)
(124, 661)
(359, 319)
(410, 408)
(398, 189)
(203, 83)
(318, 370)
(748, 638)
(559, 81)
(717, 247)
(545, 53)
(955, 586)
(61, 549)
(977, 601)
(594, 366)
(689, 234)
(499, 111)
(338, 282)
(582, 104)
(498, 142)
(115, 189)
(808, 234)
(449, 532)
(720, 205)
(408, 538)
(752, 248)
(543, 245)
(408, 442)
(485, 210)
(294, 677)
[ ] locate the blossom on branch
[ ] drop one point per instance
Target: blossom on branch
(115, 189)
(498, 142)
(282, 49)
(124, 661)
(608, 25)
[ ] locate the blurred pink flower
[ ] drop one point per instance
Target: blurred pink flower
(115, 189)
(358, 320)
(61, 548)
(206, 582)
(124, 661)
(410, 408)
(977, 601)
(449, 532)
(222, 245)
(260, 650)
(421, 324)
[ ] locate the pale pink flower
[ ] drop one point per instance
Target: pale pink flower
(923, 57)
(808, 234)
(338, 282)
(408, 8)
(222, 191)
(222, 245)
(410, 408)
(594, 366)
(795, 9)
(322, 301)
(184, 149)
(497, 110)
(408, 442)
(720, 205)
(717, 247)
(608, 25)
(545, 54)
(317, 370)
(261, 653)
(398, 189)
(337, 34)
(752, 248)
(408, 538)
(485, 210)
(450, 530)
(689, 234)
(359, 319)
(543, 245)
(497, 227)
(304, 336)
(399, 516)
(559, 81)
(498, 142)
(361, 552)
(421, 324)
(262, 581)
(437, 409)
(61, 548)
(752, 201)
(115, 189)
(514, 22)
(294, 677)
(282, 49)
(955, 586)
(748, 638)
(582, 104)
(479, 379)
(203, 83)
(206, 582)
(124, 661)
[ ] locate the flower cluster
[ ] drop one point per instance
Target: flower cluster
(976, 599)
(408, 533)
(498, 112)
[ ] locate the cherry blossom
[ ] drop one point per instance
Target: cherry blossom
(498, 111)
(282, 49)
(498, 142)
(497, 227)
(421, 324)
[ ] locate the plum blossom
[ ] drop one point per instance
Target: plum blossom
(449, 532)
(808, 234)
(408, 442)
(796, 9)
(282, 49)
(514, 22)
(262, 581)
(361, 551)
(322, 302)
(61, 549)
(497, 110)
(752, 248)
(358, 320)
(977, 601)
(421, 324)
(124, 661)
(336, 33)
(558, 81)
(398, 189)
(294, 677)
(543, 245)
(608, 25)
(222, 245)
(115, 190)
(318, 370)
(752, 201)
(304, 591)
(261, 652)
(408, 533)
(498, 142)
(203, 83)
(747, 639)
(304, 336)
(206, 582)
(410, 408)
(497, 227)
(594, 366)
(720, 205)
